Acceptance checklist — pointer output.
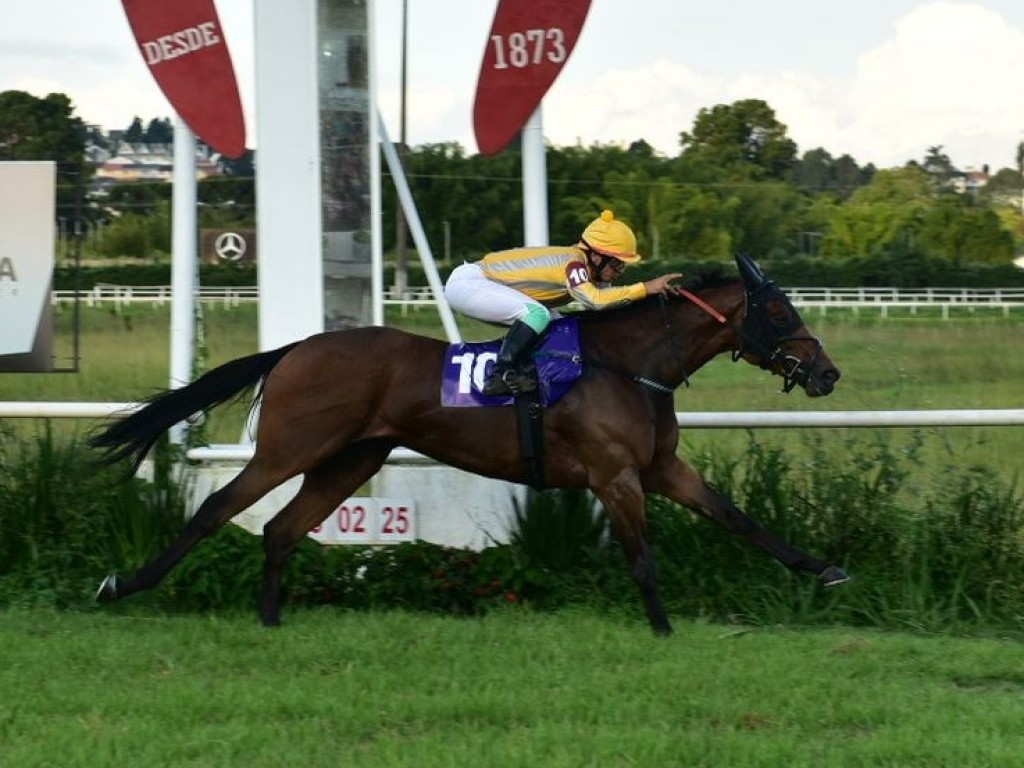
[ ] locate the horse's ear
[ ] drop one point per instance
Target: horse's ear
(749, 271)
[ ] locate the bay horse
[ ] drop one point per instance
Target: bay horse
(334, 406)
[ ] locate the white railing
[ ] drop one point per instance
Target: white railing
(417, 295)
(230, 296)
(911, 299)
(231, 453)
(977, 417)
(124, 295)
(812, 298)
(920, 295)
(732, 420)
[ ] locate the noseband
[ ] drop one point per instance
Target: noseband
(763, 334)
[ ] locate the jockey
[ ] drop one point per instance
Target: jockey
(518, 287)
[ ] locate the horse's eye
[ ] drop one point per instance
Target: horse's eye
(778, 314)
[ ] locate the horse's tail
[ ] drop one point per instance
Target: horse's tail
(131, 436)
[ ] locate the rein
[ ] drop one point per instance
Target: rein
(756, 331)
(703, 305)
(753, 332)
(663, 303)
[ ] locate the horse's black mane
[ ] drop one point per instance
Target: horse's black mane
(709, 278)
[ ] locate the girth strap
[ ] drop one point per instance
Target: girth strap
(530, 426)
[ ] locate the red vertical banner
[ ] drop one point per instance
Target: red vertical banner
(183, 45)
(529, 44)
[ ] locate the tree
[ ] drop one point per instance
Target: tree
(964, 234)
(139, 235)
(47, 129)
(137, 197)
(1004, 188)
(817, 172)
(41, 129)
(880, 215)
(898, 214)
(1020, 170)
(939, 168)
(135, 133)
(740, 141)
(159, 131)
(240, 166)
(849, 177)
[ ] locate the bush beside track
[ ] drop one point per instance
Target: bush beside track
(936, 550)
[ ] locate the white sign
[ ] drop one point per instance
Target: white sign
(27, 211)
(369, 521)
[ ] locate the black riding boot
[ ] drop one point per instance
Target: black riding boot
(506, 377)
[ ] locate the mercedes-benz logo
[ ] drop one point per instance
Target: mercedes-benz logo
(229, 246)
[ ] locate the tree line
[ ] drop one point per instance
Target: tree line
(738, 183)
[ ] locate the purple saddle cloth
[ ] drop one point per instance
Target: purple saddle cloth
(466, 366)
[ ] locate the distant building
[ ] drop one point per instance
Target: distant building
(119, 161)
(970, 180)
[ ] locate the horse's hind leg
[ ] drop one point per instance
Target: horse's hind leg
(323, 488)
(679, 482)
(251, 484)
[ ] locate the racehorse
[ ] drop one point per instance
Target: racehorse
(334, 406)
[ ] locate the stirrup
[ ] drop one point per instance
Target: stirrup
(508, 382)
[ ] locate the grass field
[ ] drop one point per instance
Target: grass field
(901, 362)
(125, 685)
(512, 689)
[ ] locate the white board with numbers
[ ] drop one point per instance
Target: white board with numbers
(369, 520)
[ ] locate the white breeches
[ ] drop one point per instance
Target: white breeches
(472, 293)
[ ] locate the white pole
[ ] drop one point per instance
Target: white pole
(183, 262)
(983, 417)
(535, 182)
(376, 235)
(419, 237)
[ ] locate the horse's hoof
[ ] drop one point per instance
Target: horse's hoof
(833, 575)
(107, 593)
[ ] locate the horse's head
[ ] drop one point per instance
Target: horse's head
(773, 336)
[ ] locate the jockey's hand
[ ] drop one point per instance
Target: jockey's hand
(663, 285)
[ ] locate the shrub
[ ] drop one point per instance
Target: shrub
(929, 548)
(64, 521)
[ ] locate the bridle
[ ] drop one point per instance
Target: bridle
(763, 334)
(760, 333)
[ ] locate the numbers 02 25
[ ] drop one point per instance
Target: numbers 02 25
(529, 48)
(369, 520)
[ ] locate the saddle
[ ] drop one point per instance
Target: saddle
(557, 364)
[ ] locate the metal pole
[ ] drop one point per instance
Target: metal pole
(418, 235)
(401, 225)
(183, 262)
(535, 182)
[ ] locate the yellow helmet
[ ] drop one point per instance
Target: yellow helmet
(609, 236)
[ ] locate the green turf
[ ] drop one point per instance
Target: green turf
(511, 689)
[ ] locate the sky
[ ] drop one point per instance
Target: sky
(881, 80)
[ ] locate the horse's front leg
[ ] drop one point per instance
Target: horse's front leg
(623, 500)
(679, 482)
